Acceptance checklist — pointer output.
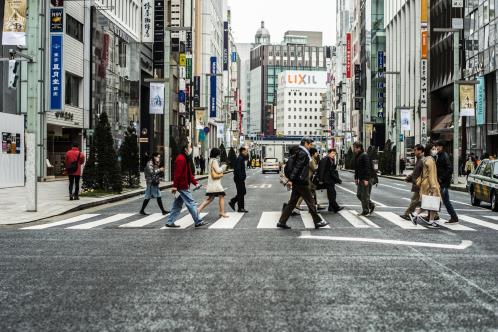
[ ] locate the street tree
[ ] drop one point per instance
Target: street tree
(130, 158)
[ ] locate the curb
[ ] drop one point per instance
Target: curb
(460, 189)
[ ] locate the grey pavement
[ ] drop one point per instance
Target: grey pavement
(245, 278)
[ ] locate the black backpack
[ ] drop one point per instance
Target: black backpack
(289, 165)
(73, 167)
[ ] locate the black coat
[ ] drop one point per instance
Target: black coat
(328, 171)
(362, 170)
(299, 174)
(444, 169)
(239, 170)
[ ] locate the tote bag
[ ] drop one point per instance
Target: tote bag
(431, 203)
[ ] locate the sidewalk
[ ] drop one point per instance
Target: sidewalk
(53, 200)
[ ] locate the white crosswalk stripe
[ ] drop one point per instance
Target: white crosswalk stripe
(476, 221)
(144, 221)
(353, 219)
(228, 223)
(105, 221)
(185, 222)
(491, 217)
(269, 220)
(63, 222)
(308, 220)
(455, 227)
(398, 221)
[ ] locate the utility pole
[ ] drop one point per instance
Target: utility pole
(397, 134)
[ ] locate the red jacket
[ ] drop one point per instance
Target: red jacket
(72, 155)
(182, 176)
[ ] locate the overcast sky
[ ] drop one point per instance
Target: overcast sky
(280, 16)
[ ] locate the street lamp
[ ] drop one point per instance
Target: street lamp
(397, 135)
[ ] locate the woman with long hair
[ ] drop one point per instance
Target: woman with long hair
(428, 184)
(153, 178)
(214, 186)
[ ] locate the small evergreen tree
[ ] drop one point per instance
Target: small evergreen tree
(232, 157)
(223, 157)
(385, 160)
(108, 173)
(130, 159)
(349, 159)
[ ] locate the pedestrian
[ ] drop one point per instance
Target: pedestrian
(312, 169)
(365, 178)
(239, 177)
(329, 177)
(197, 165)
(74, 164)
(469, 166)
(417, 172)
(444, 173)
(153, 174)
(298, 175)
(214, 186)
(202, 164)
(182, 179)
(253, 163)
(428, 184)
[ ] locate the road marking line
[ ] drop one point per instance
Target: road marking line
(454, 227)
(105, 221)
(463, 245)
(397, 188)
(353, 219)
(308, 220)
(457, 202)
(62, 222)
(478, 222)
(367, 221)
(227, 223)
(185, 222)
(144, 221)
(490, 217)
(269, 220)
(398, 221)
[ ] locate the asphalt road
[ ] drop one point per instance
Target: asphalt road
(85, 272)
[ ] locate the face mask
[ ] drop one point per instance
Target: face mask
(434, 153)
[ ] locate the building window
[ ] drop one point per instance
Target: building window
(73, 90)
(74, 28)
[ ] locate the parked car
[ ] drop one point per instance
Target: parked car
(482, 184)
(270, 165)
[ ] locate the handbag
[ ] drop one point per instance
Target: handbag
(214, 174)
(431, 203)
(73, 167)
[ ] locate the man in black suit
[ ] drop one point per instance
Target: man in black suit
(239, 177)
(329, 177)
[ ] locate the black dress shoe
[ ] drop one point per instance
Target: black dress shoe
(172, 226)
(76, 198)
(71, 198)
(321, 224)
(232, 205)
(165, 212)
(143, 213)
(283, 226)
(243, 211)
(320, 208)
(340, 208)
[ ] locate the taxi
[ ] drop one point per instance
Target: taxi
(482, 184)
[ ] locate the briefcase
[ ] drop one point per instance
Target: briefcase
(431, 203)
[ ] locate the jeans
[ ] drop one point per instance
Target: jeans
(445, 196)
(74, 180)
(305, 193)
(363, 195)
(185, 196)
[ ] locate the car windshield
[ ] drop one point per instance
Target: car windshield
(271, 160)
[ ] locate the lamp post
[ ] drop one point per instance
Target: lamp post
(397, 134)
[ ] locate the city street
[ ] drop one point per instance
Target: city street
(110, 269)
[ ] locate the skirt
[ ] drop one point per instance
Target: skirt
(218, 194)
(152, 192)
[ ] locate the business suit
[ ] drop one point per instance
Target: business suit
(330, 177)
(239, 177)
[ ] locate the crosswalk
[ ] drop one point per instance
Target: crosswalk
(265, 220)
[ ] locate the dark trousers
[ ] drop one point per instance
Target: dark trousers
(241, 192)
(305, 193)
(332, 197)
(74, 181)
(445, 195)
(363, 195)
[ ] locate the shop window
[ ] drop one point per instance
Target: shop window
(74, 28)
(73, 90)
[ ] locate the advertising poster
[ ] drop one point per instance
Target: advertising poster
(4, 142)
(481, 102)
(156, 105)
(405, 119)
(9, 143)
(14, 23)
(220, 131)
(57, 20)
(467, 100)
(18, 143)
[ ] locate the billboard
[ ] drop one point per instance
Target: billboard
(303, 79)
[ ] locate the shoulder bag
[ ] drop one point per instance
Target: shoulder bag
(215, 175)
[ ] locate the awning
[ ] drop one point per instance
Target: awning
(443, 124)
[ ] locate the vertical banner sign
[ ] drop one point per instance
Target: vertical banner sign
(147, 21)
(57, 20)
(405, 117)
(424, 70)
(380, 60)
(234, 57)
(467, 100)
(156, 103)
(212, 102)
(197, 91)
(425, 46)
(188, 75)
(481, 102)
(14, 23)
(55, 72)
(220, 130)
(225, 46)
(348, 55)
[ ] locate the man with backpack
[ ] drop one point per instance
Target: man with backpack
(296, 170)
(329, 177)
(74, 161)
(365, 177)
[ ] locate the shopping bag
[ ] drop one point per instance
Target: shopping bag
(431, 203)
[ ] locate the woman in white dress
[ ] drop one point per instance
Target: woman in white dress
(214, 186)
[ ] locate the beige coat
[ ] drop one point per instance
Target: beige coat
(428, 179)
(214, 186)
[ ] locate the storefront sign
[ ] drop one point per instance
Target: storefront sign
(467, 100)
(424, 75)
(57, 3)
(147, 21)
(405, 116)
(183, 60)
(57, 20)
(481, 102)
(66, 116)
(380, 60)
(348, 55)
(213, 95)
(188, 74)
(425, 46)
(457, 3)
(14, 23)
(225, 46)
(56, 72)
(197, 91)
(156, 105)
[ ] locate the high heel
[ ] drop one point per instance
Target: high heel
(224, 216)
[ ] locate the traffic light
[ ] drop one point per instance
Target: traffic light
(13, 66)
